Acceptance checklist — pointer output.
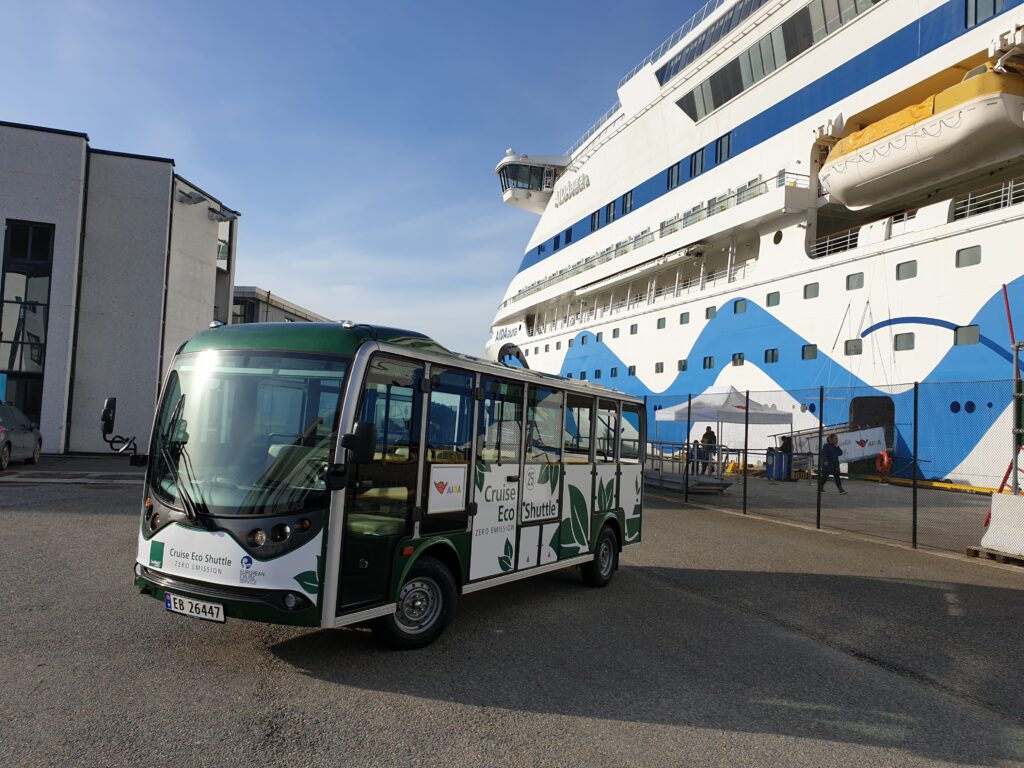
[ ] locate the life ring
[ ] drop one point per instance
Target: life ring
(883, 463)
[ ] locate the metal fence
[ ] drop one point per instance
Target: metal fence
(919, 462)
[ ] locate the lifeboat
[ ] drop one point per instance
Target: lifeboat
(972, 126)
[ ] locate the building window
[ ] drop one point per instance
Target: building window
(597, 373)
(771, 355)
(855, 281)
(684, 318)
(723, 148)
(809, 352)
(697, 163)
(615, 333)
(968, 257)
(681, 365)
(773, 298)
(673, 176)
(967, 334)
(811, 291)
(737, 359)
(661, 323)
(906, 270)
(633, 329)
(609, 213)
(659, 367)
(739, 307)
(613, 373)
(627, 202)
(600, 336)
(568, 235)
(853, 346)
(982, 10)
(709, 362)
(631, 370)
(710, 312)
(595, 221)
(902, 342)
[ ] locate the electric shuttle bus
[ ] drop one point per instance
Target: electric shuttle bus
(334, 474)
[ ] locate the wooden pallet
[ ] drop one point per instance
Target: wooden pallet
(994, 554)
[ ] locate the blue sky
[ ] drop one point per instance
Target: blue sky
(358, 140)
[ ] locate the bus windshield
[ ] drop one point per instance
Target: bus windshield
(246, 433)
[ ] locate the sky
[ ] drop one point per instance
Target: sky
(358, 140)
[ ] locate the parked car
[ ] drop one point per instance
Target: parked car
(19, 437)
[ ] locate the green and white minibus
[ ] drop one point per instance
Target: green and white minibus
(336, 474)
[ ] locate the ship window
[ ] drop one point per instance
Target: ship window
(615, 333)
(633, 329)
(811, 291)
(613, 373)
(568, 235)
(723, 148)
(583, 341)
(697, 163)
(684, 318)
(855, 281)
(600, 336)
(773, 299)
(568, 375)
(547, 347)
(558, 345)
(595, 221)
(536, 350)
(982, 10)
(609, 213)
(597, 373)
(967, 334)
(673, 176)
(906, 270)
(631, 370)
(659, 367)
(627, 202)
(661, 323)
(737, 359)
(583, 375)
(902, 342)
(968, 257)
(709, 362)
(809, 352)
(710, 312)
(526, 353)
(853, 346)
(739, 307)
(557, 243)
(570, 343)
(681, 365)
(771, 356)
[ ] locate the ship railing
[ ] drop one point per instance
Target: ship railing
(708, 8)
(598, 124)
(837, 242)
(989, 199)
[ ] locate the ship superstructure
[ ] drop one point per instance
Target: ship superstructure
(786, 194)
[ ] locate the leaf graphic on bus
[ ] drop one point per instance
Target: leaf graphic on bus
(505, 561)
(545, 471)
(309, 581)
(508, 549)
(632, 527)
(481, 474)
(555, 472)
(579, 516)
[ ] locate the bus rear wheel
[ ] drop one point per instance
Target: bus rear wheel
(599, 571)
(425, 605)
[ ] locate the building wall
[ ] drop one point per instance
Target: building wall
(42, 177)
(123, 266)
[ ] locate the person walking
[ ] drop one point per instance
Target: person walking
(830, 454)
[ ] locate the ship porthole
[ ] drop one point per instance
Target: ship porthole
(969, 406)
(778, 237)
(954, 407)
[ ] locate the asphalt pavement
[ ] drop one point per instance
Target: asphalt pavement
(722, 641)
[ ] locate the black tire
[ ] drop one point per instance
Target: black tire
(34, 458)
(426, 603)
(5, 456)
(599, 571)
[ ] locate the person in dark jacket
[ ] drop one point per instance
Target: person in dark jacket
(830, 454)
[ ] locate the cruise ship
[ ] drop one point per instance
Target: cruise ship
(788, 195)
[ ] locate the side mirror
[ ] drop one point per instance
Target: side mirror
(108, 415)
(360, 442)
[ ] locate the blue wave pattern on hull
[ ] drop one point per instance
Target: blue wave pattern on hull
(947, 429)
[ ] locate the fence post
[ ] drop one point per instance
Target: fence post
(686, 453)
(821, 438)
(913, 524)
(746, 438)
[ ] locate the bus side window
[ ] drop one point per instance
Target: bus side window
(544, 420)
(631, 439)
(450, 427)
(607, 431)
(579, 421)
(499, 433)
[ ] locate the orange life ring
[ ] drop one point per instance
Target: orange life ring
(883, 463)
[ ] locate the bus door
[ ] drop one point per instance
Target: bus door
(574, 532)
(631, 479)
(447, 447)
(382, 493)
(542, 478)
(499, 444)
(606, 477)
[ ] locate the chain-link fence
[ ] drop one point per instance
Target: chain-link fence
(916, 463)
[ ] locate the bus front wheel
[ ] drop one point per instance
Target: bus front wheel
(424, 607)
(598, 572)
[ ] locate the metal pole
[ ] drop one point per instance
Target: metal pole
(686, 453)
(746, 437)
(913, 532)
(821, 438)
(1017, 394)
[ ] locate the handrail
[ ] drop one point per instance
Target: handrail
(708, 8)
(598, 124)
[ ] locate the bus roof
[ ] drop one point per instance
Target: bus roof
(345, 338)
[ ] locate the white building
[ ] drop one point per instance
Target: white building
(110, 262)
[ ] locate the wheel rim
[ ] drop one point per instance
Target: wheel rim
(419, 605)
(605, 557)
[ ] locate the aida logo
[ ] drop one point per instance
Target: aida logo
(440, 486)
(447, 489)
(861, 443)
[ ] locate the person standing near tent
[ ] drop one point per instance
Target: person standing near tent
(786, 449)
(708, 441)
(830, 454)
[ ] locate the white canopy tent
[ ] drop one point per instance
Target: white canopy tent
(724, 405)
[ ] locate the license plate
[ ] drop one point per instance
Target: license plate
(199, 609)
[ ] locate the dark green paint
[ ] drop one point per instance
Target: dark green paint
(323, 338)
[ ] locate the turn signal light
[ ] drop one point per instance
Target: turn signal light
(258, 537)
(304, 525)
(408, 550)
